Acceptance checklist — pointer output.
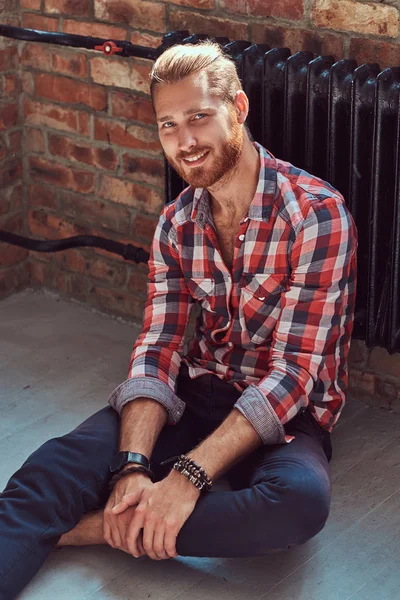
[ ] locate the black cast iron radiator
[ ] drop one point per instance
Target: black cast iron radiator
(340, 122)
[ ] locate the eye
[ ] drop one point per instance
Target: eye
(199, 116)
(168, 125)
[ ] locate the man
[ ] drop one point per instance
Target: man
(268, 251)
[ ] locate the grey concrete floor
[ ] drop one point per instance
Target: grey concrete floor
(58, 363)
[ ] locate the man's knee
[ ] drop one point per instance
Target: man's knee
(301, 498)
(307, 502)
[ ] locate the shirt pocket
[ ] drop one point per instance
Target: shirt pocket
(203, 290)
(260, 304)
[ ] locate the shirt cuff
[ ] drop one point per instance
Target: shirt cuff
(254, 405)
(148, 387)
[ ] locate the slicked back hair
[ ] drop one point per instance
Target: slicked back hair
(183, 60)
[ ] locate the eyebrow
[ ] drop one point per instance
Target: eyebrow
(191, 111)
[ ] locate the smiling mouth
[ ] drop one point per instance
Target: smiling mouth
(196, 159)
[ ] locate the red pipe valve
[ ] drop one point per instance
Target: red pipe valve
(109, 48)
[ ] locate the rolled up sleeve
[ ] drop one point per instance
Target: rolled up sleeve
(157, 353)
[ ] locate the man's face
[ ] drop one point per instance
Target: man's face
(199, 133)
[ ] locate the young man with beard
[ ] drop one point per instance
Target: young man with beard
(269, 253)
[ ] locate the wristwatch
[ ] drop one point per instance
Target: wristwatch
(124, 458)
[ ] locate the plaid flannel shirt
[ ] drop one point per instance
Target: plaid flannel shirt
(277, 326)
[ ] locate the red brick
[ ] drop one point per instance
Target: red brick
(193, 4)
(128, 136)
(103, 158)
(53, 227)
(324, 44)
(76, 8)
(8, 59)
(32, 21)
(118, 302)
(37, 56)
(9, 6)
(361, 381)
(40, 195)
(8, 116)
(371, 18)
(35, 140)
(100, 30)
(199, 23)
(146, 39)
(12, 255)
(30, 4)
(388, 392)
(132, 107)
(144, 169)
(42, 273)
(10, 172)
(11, 199)
(28, 83)
(366, 50)
(12, 20)
(141, 14)
(285, 9)
(138, 279)
(15, 142)
(3, 150)
(11, 85)
(71, 284)
(144, 227)
(82, 262)
(117, 72)
(131, 194)
(61, 176)
(13, 223)
(62, 89)
(100, 213)
(15, 279)
(55, 117)
(380, 361)
(69, 64)
(298, 39)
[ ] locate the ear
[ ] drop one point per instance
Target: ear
(241, 106)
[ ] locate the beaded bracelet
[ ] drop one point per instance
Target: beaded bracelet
(190, 469)
(128, 471)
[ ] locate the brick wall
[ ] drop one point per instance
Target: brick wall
(92, 162)
(14, 267)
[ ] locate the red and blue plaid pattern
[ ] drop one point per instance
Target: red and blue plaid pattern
(277, 326)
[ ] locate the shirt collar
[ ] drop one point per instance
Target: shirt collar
(261, 205)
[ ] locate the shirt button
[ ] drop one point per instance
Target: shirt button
(246, 219)
(241, 237)
(228, 324)
(230, 344)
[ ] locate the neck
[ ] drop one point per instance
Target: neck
(234, 194)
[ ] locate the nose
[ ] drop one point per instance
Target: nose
(186, 140)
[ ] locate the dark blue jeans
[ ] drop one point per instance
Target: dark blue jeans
(280, 494)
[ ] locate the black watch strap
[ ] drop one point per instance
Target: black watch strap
(124, 458)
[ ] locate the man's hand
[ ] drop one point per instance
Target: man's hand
(163, 509)
(116, 524)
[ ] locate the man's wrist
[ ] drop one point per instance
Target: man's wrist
(176, 478)
(128, 465)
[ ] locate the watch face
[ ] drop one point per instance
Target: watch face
(123, 458)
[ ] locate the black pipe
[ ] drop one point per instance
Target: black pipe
(127, 251)
(109, 47)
